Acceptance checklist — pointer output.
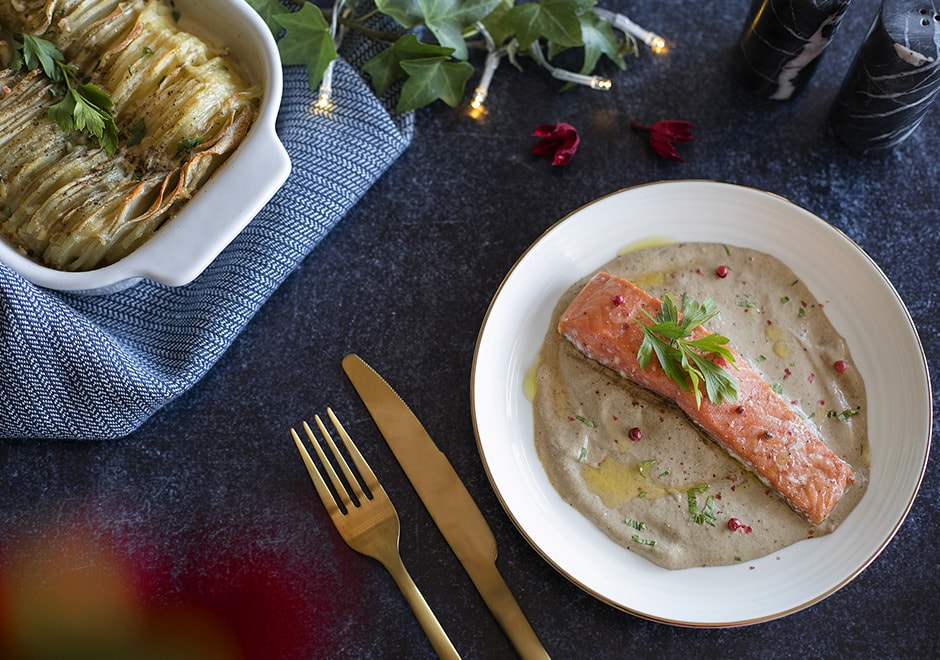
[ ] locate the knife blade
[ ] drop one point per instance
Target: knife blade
(446, 498)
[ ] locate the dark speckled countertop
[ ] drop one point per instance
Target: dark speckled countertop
(204, 524)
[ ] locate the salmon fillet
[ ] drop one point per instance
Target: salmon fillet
(760, 429)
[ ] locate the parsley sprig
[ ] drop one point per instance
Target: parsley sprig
(84, 107)
(688, 362)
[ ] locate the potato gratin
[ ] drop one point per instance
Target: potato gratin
(179, 105)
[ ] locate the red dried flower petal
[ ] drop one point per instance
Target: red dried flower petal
(664, 134)
(544, 130)
(665, 149)
(559, 141)
(673, 130)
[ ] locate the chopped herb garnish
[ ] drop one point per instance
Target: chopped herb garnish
(802, 312)
(844, 415)
(636, 539)
(84, 106)
(760, 358)
(583, 456)
(644, 466)
(636, 524)
(785, 299)
(137, 132)
(777, 387)
(585, 421)
(707, 514)
(686, 361)
(187, 145)
(148, 51)
(664, 474)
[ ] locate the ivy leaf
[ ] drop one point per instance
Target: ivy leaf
(498, 23)
(525, 24)
(446, 19)
(268, 9)
(307, 42)
(599, 39)
(558, 21)
(408, 13)
(427, 69)
(385, 68)
(432, 79)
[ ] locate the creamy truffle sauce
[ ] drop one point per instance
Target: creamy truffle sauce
(637, 491)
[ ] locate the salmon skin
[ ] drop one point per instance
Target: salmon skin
(759, 429)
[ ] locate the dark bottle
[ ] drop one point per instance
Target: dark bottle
(782, 42)
(893, 80)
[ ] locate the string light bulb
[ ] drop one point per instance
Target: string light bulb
(658, 45)
(325, 96)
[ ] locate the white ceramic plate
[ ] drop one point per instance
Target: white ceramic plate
(860, 301)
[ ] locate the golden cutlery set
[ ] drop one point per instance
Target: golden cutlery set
(368, 522)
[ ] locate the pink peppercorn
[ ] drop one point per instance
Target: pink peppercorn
(635, 433)
(722, 271)
(617, 300)
(840, 366)
(735, 525)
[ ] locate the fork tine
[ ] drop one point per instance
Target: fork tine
(368, 476)
(327, 466)
(343, 465)
(325, 495)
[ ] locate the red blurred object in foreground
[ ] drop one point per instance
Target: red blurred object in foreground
(75, 590)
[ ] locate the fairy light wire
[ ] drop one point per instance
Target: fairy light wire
(494, 56)
(655, 42)
(594, 82)
(325, 93)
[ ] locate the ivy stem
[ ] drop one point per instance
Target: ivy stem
(387, 37)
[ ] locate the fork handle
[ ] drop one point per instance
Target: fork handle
(432, 627)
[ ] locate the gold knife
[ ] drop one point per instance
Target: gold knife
(447, 500)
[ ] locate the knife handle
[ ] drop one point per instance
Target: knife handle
(432, 627)
(505, 608)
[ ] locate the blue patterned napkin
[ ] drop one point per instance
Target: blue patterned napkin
(95, 367)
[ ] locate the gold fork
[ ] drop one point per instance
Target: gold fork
(369, 523)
